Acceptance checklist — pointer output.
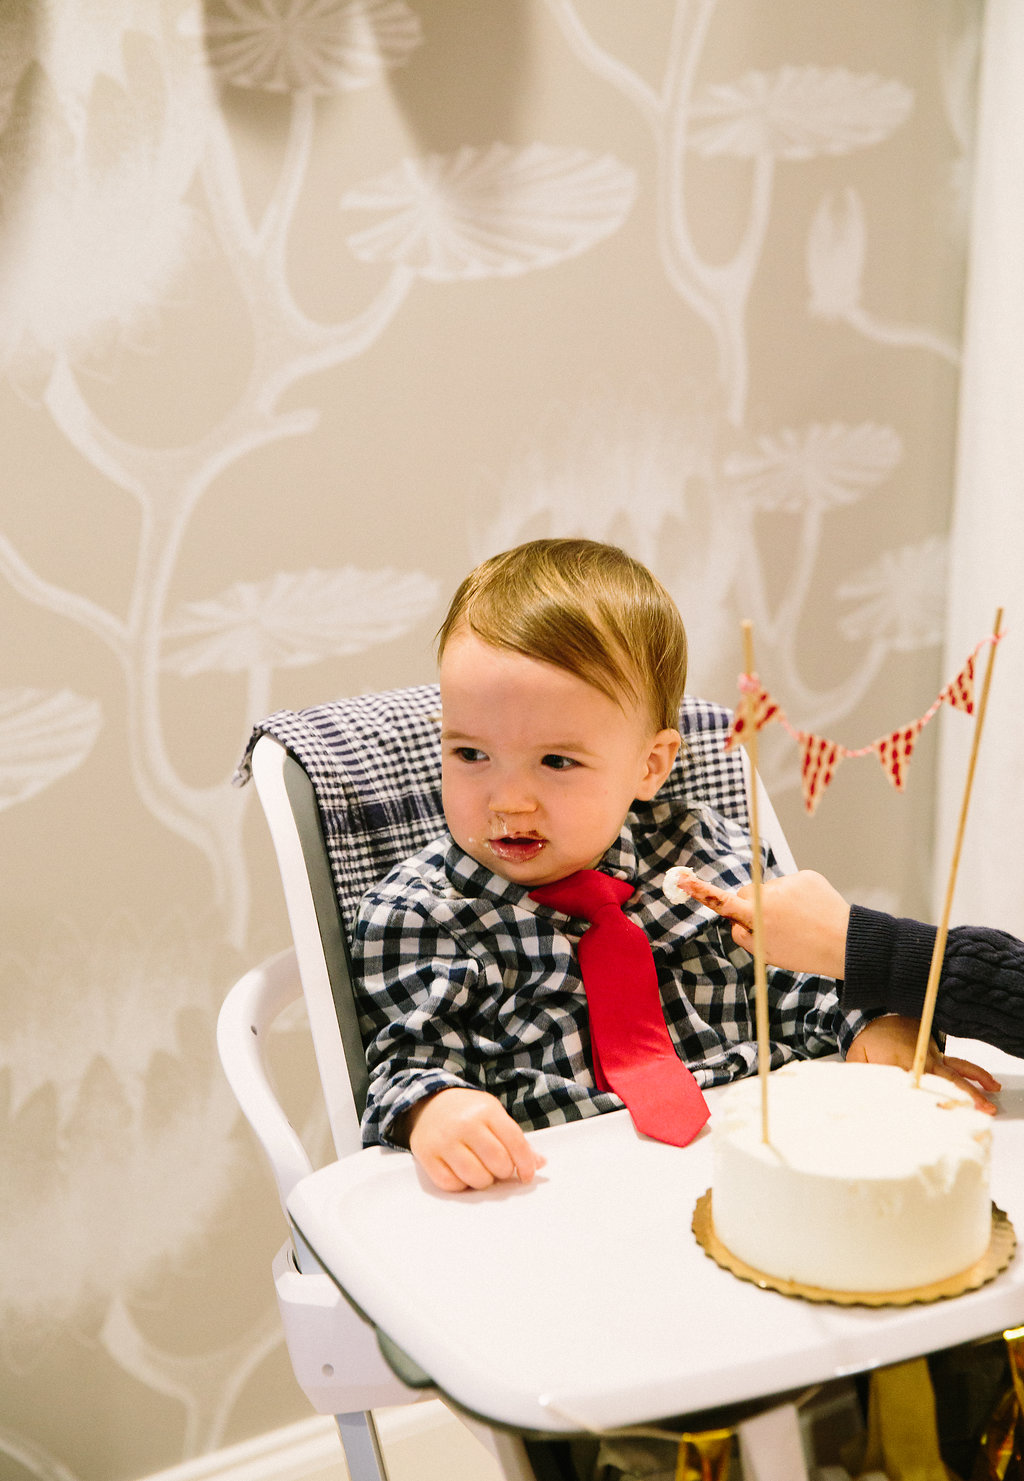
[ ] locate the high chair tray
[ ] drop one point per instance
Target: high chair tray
(583, 1302)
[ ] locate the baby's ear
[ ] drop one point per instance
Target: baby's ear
(663, 752)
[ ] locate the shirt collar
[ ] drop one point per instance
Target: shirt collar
(467, 877)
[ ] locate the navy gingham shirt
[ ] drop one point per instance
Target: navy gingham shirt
(463, 980)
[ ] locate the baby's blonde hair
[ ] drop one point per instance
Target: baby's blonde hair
(586, 607)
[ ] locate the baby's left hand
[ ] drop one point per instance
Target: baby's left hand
(892, 1039)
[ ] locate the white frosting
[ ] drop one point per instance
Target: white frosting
(673, 890)
(867, 1183)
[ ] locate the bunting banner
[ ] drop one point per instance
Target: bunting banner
(820, 757)
(960, 691)
(762, 706)
(895, 751)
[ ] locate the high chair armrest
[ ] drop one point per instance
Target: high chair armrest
(246, 1015)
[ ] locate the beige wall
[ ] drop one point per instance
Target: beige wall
(293, 330)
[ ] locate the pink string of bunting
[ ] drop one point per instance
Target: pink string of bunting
(821, 756)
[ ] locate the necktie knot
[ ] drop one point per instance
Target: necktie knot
(587, 894)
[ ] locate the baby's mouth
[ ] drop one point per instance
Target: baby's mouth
(516, 847)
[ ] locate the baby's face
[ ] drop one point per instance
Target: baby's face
(539, 769)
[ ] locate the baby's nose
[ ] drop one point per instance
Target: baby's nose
(510, 800)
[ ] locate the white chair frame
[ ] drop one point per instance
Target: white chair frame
(335, 1354)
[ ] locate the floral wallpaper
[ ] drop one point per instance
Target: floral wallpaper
(306, 306)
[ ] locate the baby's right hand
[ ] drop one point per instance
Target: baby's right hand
(465, 1138)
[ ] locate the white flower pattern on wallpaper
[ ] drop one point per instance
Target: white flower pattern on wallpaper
(836, 245)
(959, 77)
(836, 249)
(33, 1459)
(654, 480)
(491, 212)
(536, 207)
(295, 619)
(118, 1139)
(43, 736)
(816, 468)
(20, 42)
(94, 169)
(641, 473)
(803, 475)
(323, 46)
(798, 113)
(792, 114)
(900, 598)
(116, 1124)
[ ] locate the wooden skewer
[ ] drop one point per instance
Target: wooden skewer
(760, 979)
(939, 951)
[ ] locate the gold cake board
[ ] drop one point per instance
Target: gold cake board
(996, 1258)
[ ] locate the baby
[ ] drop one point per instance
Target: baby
(562, 667)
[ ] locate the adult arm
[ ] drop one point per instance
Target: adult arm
(981, 989)
(883, 960)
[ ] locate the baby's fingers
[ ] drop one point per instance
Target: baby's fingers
(522, 1159)
(442, 1173)
(966, 1076)
(473, 1167)
(495, 1149)
(981, 1102)
(966, 1069)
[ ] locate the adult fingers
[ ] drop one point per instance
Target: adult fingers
(724, 902)
(743, 937)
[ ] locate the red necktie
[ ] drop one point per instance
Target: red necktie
(633, 1054)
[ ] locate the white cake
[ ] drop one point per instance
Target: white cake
(867, 1183)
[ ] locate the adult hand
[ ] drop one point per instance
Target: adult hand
(465, 1138)
(805, 919)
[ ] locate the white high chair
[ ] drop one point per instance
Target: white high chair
(349, 789)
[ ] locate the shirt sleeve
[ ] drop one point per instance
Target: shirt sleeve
(981, 989)
(887, 962)
(413, 985)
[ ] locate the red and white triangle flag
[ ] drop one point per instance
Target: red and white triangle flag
(756, 710)
(895, 751)
(960, 691)
(820, 759)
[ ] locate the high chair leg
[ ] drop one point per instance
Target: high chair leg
(361, 1444)
(509, 1450)
(771, 1448)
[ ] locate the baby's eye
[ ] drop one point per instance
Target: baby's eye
(559, 763)
(469, 753)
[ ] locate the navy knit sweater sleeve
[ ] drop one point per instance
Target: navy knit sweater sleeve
(981, 990)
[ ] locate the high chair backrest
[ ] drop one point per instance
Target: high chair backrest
(353, 787)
